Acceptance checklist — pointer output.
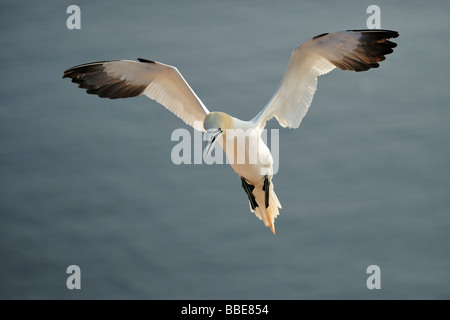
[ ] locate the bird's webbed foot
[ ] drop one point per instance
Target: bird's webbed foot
(248, 188)
(266, 189)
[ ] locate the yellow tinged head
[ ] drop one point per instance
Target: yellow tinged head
(218, 120)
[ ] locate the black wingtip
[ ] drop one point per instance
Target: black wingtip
(373, 45)
(90, 67)
(91, 76)
(320, 35)
(380, 32)
(146, 60)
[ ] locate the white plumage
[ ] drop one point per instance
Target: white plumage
(355, 50)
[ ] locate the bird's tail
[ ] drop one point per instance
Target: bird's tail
(267, 215)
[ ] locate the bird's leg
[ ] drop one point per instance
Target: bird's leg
(266, 189)
(248, 188)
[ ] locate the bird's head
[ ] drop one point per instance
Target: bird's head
(217, 121)
(215, 124)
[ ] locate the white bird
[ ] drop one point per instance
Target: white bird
(355, 50)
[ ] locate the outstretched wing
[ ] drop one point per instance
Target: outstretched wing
(355, 50)
(126, 78)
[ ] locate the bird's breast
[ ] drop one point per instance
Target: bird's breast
(247, 153)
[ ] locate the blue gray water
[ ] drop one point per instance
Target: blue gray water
(89, 182)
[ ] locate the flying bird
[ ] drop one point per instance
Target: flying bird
(354, 50)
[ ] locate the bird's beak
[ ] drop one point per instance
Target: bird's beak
(214, 134)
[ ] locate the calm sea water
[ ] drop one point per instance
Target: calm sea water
(89, 182)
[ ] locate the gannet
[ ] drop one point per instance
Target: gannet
(354, 50)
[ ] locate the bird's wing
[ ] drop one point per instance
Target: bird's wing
(355, 50)
(158, 81)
